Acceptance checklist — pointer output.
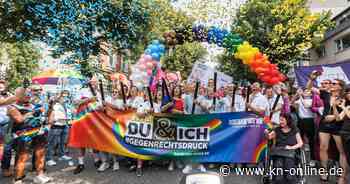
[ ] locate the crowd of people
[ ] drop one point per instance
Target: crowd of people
(307, 117)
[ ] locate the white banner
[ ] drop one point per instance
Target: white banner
(201, 72)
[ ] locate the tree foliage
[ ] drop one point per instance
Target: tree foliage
(183, 57)
(74, 26)
(282, 29)
(21, 59)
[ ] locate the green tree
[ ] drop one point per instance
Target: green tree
(183, 57)
(21, 59)
(282, 29)
(76, 27)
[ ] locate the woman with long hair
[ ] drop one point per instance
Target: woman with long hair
(331, 126)
(345, 130)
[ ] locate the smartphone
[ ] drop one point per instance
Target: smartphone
(317, 72)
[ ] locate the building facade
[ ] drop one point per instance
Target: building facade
(335, 47)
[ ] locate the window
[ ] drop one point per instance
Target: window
(339, 45)
(321, 51)
(346, 42)
(343, 43)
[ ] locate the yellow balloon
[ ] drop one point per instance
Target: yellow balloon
(246, 52)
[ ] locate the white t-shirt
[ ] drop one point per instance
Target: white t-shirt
(3, 113)
(204, 101)
(156, 107)
(188, 100)
(59, 114)
(276, 115)
(239, 104)
(261, 102)
(118, 103)
(304, 108)
(139, 104)
(86, 93)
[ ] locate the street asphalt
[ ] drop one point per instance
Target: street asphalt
(154, 174)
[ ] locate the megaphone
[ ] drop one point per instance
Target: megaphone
(202, 178)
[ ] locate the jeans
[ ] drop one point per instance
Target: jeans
(7, 156)
(56, 137)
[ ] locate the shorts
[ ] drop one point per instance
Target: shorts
(332, 128)
(38, 141)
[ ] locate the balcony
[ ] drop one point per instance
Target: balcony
(345, 25)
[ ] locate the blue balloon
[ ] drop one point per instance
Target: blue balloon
(161, 48)
(156, 56)
(148, 51)
(154, 48)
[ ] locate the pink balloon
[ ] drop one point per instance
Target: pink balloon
(142, 67)
(149, 71)
(149, 65)
(142, 60)
(147, 57)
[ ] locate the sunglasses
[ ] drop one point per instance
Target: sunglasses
(335, 83)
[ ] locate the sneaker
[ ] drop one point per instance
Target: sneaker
(139, 172)
(65, 157)
(312, 163)
(187, 169)
(71, 163)
(51, 163)
(41, 179)
(18, 182)
(79, 169)
(132, 168)
(202, 168)
(116, 166)
(104, 166)
(98, 164)
(179, 165)
(171, 166)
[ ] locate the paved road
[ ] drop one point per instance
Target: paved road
(63, 174)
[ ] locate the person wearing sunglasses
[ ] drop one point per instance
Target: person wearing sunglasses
(330, 125)
(326, 84)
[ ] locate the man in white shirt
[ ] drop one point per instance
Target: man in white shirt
(258, 103)
(272, 97)
(239, 105)
(58, 122)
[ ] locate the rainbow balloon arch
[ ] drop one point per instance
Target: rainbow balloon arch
(147, 70)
